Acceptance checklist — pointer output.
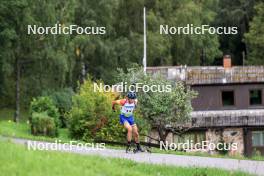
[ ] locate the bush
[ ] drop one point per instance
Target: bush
(43, 112)
(91, 115)
(112, 130)
(224, 147)
(42, 124)
(62, 100)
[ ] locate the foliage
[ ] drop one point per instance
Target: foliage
(62, 100)
(44, 105)
(164, 108)
(255, 37)
(223, 146)
(90, 111)
(58, 61)
(237, 13)
(45, 60)
(112, 131)
(51, 61)
(42, 124)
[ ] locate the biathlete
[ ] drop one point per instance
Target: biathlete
(127, 120)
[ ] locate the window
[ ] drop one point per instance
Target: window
(258, 138)
(228, 98)
(255, 97)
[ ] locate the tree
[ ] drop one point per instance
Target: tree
(12, 41)
(166, 110)
(168, 49)
(37, 61)
(30, 64)
(237, 13)
(255, 37)
(97, 56)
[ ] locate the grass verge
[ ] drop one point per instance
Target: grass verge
(22, 130)
(17, 160)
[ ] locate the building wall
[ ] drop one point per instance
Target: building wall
(209, 96)
(228, 136)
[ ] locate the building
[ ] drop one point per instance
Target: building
(229, 106)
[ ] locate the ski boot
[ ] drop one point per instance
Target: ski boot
(128, 148)
(138, 149)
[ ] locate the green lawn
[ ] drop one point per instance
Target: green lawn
(22, 130)
(17, 160)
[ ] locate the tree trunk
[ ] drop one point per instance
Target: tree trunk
(83, 69)
(163, 133)
(17, 113)
(83, 72)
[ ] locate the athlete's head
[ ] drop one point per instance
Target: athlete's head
(131, 96)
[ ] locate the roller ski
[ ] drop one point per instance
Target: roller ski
(141, 150)
(136, 149)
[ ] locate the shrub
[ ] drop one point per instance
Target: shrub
(112, 130)
(91, 114)
(224, 147)
(42, 124)
(44, 112)
(62, 100)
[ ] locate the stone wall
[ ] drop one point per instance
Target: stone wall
(226, 135)
(229, 136)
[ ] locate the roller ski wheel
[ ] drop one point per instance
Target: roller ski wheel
(142, 150)
(128, 148)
